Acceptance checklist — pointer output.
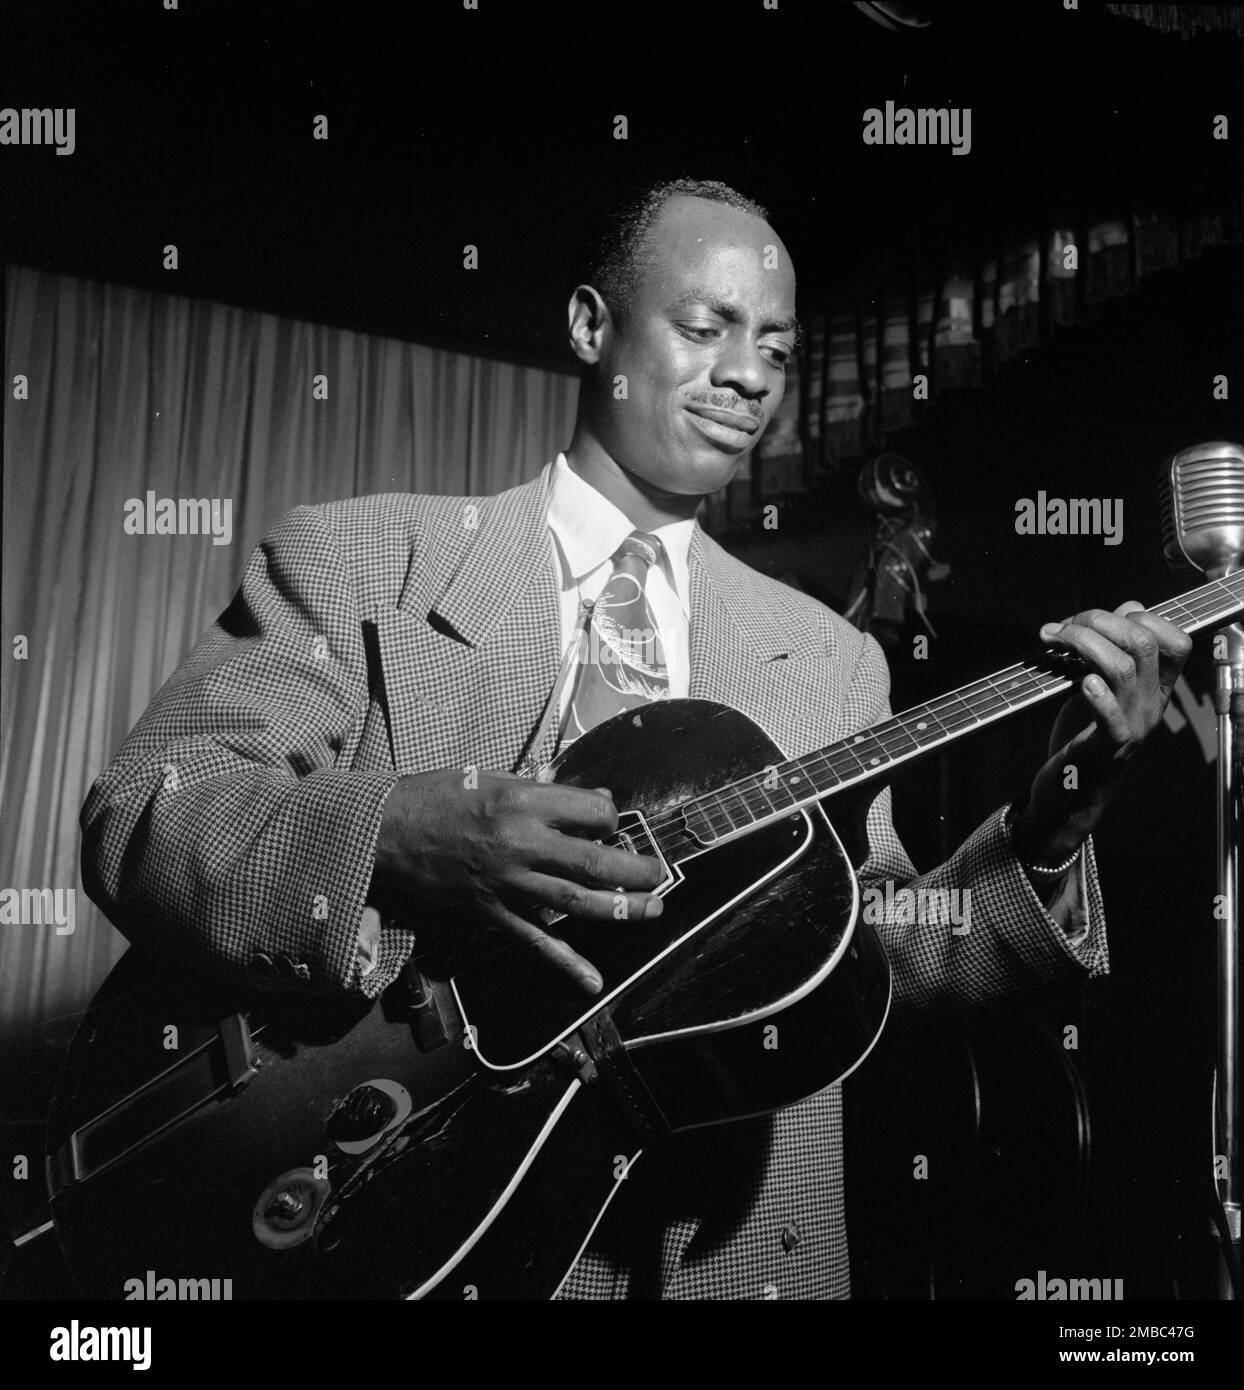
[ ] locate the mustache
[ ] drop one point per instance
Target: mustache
(727, 400)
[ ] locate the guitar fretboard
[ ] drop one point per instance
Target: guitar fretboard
(775, 791)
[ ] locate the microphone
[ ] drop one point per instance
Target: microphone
(1203, 508)
(1203, 526)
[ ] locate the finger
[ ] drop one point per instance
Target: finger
(1123, 631)
(1174, 647)
(1107, 711)
(1110, 659)
(558, 954)
(574, 808)
(590, 904)
(591, 863)
(1121, 649)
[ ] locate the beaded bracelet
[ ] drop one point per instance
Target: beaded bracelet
(1042, 871)
(1014, 811)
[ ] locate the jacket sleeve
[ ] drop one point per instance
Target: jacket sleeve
(225, 833)
(972, 931)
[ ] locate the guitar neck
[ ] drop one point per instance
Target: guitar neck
(872, 754)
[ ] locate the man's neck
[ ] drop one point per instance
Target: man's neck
(644, 506)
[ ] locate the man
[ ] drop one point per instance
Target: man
(318, 734)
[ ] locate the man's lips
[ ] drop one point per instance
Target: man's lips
(730, 418)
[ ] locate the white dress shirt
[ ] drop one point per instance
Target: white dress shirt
(587, 529)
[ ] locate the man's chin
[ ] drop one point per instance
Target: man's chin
(694, 472)
(709, 469)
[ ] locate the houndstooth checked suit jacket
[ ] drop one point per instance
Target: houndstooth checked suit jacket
(402, 633)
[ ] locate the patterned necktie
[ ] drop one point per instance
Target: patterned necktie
(621, 661)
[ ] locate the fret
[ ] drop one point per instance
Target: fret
(1024, 682)
(1181, 614)
(897, 736)
(778, 794)
(956, 717)
(959, 710)
(924, 727)
(822, 779)
(1010, 692)
(732, 817)
(739, 815)
(715, 821)
(893, 735)
(843, 752)
(834, 766)
(869, 750)
(756, 806)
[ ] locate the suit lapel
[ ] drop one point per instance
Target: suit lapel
(466, 683)
(510, 550)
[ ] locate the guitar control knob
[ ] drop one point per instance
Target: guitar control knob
(286, 1212)
(364, 1112)
(286, 1208)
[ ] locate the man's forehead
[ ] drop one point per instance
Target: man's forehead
(696, 243)
(698, 229)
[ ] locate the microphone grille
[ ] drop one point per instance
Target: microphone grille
(1202, 502)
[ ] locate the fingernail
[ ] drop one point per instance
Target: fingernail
(1049, 629)
(592, 982)
(655, 908)
(1095, 685)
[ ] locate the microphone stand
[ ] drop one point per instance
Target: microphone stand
(1229, 708)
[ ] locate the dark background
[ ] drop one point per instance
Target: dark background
(496, 128)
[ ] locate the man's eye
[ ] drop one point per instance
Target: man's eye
(699, 331)
(779, 356)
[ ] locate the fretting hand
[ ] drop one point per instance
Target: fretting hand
(1135, 659)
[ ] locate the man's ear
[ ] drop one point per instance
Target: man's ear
(589, 322)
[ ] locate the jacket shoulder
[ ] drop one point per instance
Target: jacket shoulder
(399, 547)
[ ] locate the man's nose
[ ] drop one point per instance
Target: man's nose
(742, 367)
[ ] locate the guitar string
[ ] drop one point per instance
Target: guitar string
(845, 760)
(951, 713)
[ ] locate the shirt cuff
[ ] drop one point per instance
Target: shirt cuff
(368, 947)
(1074, 914)
(1069, 906)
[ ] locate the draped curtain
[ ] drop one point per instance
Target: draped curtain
(115, 392)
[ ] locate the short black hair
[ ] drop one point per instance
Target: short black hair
(613, 255)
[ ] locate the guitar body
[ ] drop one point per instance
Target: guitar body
(465, 1143)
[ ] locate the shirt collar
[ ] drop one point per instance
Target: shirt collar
(589, 529)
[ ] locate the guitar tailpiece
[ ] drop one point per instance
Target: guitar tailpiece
(624, 1083)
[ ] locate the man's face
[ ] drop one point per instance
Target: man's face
(703, 346)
